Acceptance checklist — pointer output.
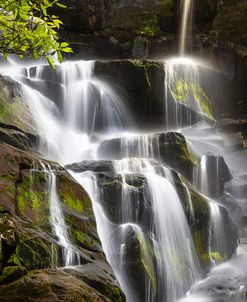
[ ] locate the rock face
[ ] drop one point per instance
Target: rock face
(17, 127)
(52, 285)
(169, 147)
(28, 243)
(140, 212)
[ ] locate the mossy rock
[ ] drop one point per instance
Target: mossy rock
(73, 195)
(33, 197)
(12, 273)
(168, 147)
(34, 253)
(13, 110)
(50, 285)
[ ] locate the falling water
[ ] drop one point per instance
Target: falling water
(217, 238)
(69, 106)
(179, 255)
(186, 6)
(184, 90)
(70, 257)
(68, 125)
(169, 233)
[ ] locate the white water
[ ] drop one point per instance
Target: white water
(186, 22)
(169, 233)
(174, 238)
(78, 106)
(183, 85)
(70, 257)
(217, 238)
(67, 139)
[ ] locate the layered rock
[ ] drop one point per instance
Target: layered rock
(169, 147)
(28, 243)
(139, 209)
(17, 127)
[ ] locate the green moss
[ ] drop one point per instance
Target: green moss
(148, 22)
(212, 256)
(183, 90)
(83, 238)
(146, 65)
(12, 109)
(73, 202)
(12, 273)
(34, 253)
(33, 198)
(14, 260)
(147, 254)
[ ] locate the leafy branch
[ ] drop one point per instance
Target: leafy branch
(27, 29)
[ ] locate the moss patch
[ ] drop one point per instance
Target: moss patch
(183, 90)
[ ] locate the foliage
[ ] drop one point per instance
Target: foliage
(148, 21)
(148, 24)
(27, 29)
(230, 23)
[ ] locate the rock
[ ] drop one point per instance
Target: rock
(98, 277)
(13, 110)
(237, 187)
(140, 48)
(52, 285)
(212, 174)
(139, 213)
(27, 242)
(169, 147)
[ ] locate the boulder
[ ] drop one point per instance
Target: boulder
(53, 285)
(27, 241)
(132, 188)
(168, 147)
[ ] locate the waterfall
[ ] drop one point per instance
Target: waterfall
(143, 228)
(169, 233)
(69, 106)
(217, 238)
(184, 90)
(69, 257)
(186, 12)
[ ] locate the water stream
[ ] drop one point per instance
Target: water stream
(74, 113)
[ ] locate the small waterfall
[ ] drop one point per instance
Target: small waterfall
(168, 234)
(174, 238)
(202, 179)
(184, 90)
(186, 23)
(69, 106)
(70, 257)
(217, 236)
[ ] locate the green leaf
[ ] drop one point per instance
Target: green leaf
(64, 44)
(67, 49)
(61, 5)
(59, 56)
(51, 63)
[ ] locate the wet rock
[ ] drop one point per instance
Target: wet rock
(237, 187)
(13, 110)
(169, 147)
(212, 174)
(94, 166)
(51, 285)
(100, 278)
(27, 242)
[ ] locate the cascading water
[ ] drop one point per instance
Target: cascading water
(70, 256)
(69, 106)
(186, 23)
(168, 234)
(145, 234)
